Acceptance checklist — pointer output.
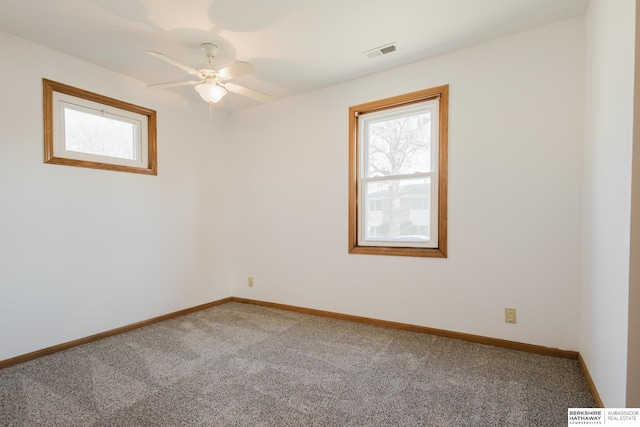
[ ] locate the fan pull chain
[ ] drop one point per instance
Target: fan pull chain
(211, 110)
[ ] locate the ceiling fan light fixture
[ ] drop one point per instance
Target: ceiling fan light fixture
(210, 92)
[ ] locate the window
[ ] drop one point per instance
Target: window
(90, 130)
(398, 175)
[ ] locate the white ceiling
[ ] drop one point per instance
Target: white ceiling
(295, 45)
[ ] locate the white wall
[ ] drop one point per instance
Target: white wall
(607, 195)
(82, 250)
(516, 132)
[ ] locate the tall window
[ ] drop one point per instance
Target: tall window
(398, 175)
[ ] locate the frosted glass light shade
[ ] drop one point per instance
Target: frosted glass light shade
(211, 92)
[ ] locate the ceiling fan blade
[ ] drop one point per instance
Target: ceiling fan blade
(173, 62)
(236, 69)
(249, 93)
(172, 84)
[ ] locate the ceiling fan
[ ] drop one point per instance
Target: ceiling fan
(213, 84)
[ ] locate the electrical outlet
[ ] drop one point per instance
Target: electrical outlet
(251, 282)
(510, 315)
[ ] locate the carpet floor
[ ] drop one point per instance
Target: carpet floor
(245, 365)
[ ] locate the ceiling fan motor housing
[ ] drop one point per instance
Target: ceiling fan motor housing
(206, 69)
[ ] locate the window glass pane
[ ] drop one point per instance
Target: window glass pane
(397, 210)
(399, 145)
(102, 135)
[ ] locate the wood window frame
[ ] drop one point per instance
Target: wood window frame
(50, 122)
(440, 251)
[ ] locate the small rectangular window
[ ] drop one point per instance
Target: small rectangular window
(398, 172)
(90, 130)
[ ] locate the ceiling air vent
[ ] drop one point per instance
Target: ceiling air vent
(381, 50)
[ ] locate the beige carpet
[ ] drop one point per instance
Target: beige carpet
(244, 365)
